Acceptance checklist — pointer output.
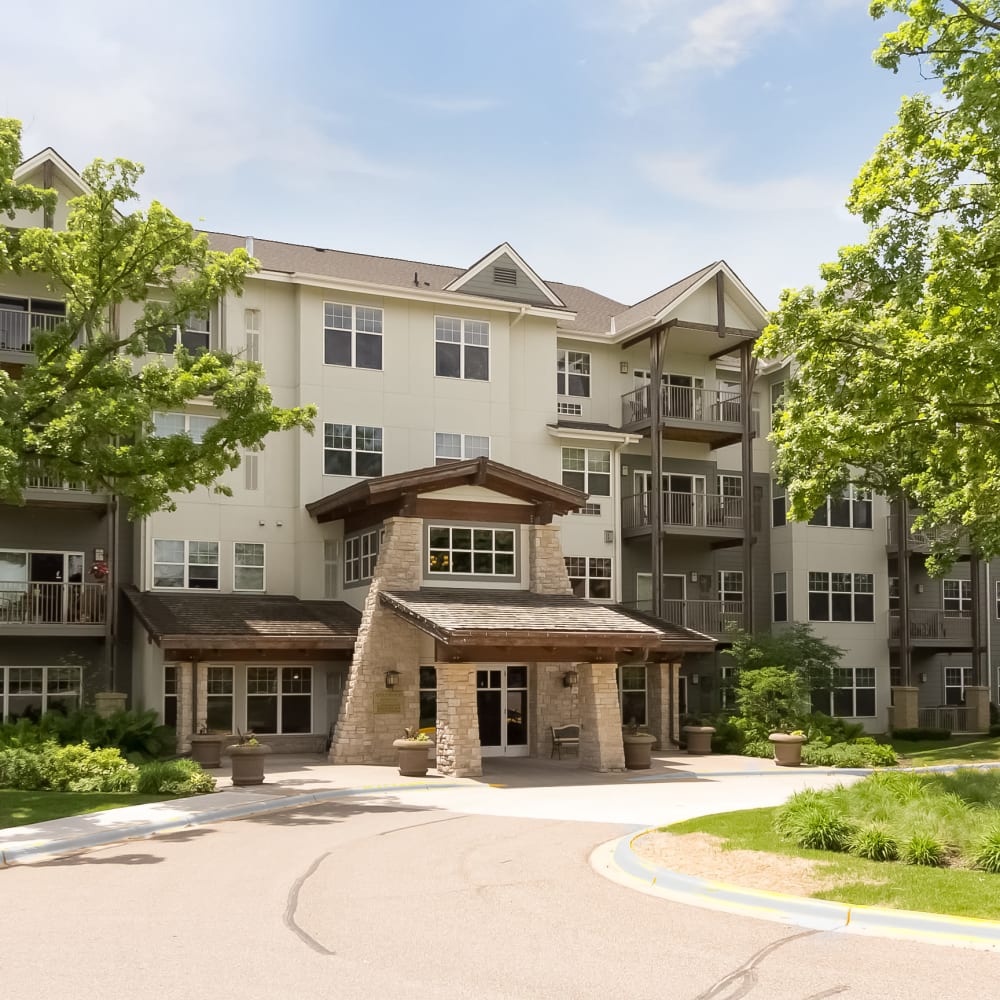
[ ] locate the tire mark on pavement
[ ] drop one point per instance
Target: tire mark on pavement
(413, 826)
(292, 905)
(832, 992)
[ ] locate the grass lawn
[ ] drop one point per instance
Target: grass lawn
(959, 892)
(957, 750)
(21, 808)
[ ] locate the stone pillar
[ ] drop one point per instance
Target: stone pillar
(185, 707)
(200, 672)
(977, 700)
(659, 702)
(904, 708)
(458, 752)
(601, 747)
(546, 565)
(554, 704)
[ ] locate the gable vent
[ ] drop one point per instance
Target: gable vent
(504, 276)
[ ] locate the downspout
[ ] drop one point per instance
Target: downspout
(111, 627)
(521, 314)
(616, 520)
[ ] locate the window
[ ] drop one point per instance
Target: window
(352, 451)
(248, 566)
(453, 447)
(461, 348)
(956, 680)
(170, 695)
(957, 598)
(632, 692)
(219, 700)
(572, 373)
(569, 409)
(588, 470)
(196, 333)
(852, 509)
(428, 697)
(731, 586)
(279, 699)
(360, 556)
(853, 694)
(181, 564)
(731, 498)
(251, 325)
(28, 692)
(779, 591)
(841, 597)
(485, 551)
(590, 510)
(777, 399)
(331, 563)
(778, 512)
(893, 593)
(352, 336)
(730, 678)
(590, 576)
(168, 424)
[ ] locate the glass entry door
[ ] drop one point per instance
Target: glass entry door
(502, 702)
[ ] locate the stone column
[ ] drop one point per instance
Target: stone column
(904, 707)
(659, 703)
(201, 695)
(554, 704)
(546, 565)
(185, 706)
(458, 751)
(977, 700)
(601, 747)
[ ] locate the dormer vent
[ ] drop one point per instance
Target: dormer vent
(504, 276)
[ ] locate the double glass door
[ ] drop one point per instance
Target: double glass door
(502, 702)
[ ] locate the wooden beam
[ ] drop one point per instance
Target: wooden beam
(481, 511)
(256, 655)
(730, 331)
(443, 653)
(645, 335)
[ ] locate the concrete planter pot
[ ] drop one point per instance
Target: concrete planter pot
(699, 738)
(207, 750)
(414, 757)
(638, 750)
(248, 763)
(787, 749)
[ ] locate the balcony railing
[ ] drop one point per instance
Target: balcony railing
(18, 326)
(932, 624)
(925, 537)
(957, 718)
(691, 510)
(715, 618)
(685, 403)
(53, 604)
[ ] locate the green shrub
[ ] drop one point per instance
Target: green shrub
(787, 820)
(986, 855)
(173, 777)
(728, 737)
(79, 768)
(770, 699)
(921, 733)
(818, 826)
(135, 734)
(21, 768)
(874, 843)
(864, 752)
(758, 748)
(923, 849)
(822, 727)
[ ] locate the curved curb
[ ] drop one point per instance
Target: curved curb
(789, 772)
(172, 823)
(617, 861)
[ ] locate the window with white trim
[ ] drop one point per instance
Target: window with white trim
(841, 597)
(461, 348)
(454, 447)
(730, 678)
(779, 513)
(779, 599)
(479, 551)
(956, 597)
(731, 498)
(588, 470)
(853, 694)
(893, 593)
(27, 692)
(956, 680)
(632, 694)
(219, 700)
(361, 556)
(279, 699)
(852, 509)
(195, 335)
(350, 450)
(569, 409)
(590, 576)
(167, 424)
(251, 327)
(731, 585)
(352, 336)
(248, 566)
(192, 565)
(572, 373)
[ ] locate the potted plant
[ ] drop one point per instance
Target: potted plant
(638, 748)
(698, 736)
(414, 751)
(247, 757)
(206, 748)
(788, 747)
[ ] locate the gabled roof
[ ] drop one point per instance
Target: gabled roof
(507, 257)
(48, 155)
(387, 491)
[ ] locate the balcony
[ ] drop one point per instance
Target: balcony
(706, 515)
(924, 539)
(53, 608)
(709, 416)
(956, 718)
(931, 628)
(18, 326)
(714, 618)
(42, 490)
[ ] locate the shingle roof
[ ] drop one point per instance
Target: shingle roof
(655, 303)
(218, 620)
(492, 617)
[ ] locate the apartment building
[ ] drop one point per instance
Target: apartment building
(473, 537)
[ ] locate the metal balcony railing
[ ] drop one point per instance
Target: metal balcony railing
(716, 618)
(17, 327)
(933, 624)
(692, 510)
(957, 718)
(924, 538)
(53, 604)
(685, 403)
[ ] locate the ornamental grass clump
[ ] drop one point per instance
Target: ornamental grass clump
(818, 826)
(173, 777)
(923, 849)
(874, 843)
(986, 854)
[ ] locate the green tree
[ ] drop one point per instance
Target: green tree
(796, 650)
(896, 378)
(770, 699)
(82, 410)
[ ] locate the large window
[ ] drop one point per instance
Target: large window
(248, 566)
(731, 586)
(956, 680)
(361, 555)
(195, 335)
(219, 700)
(841, 597)
(590, 576)
(632, 692)
(185, 564)
(482, 551)
(168, 424)
(588, 470)
(279, 699)
(572, 373)
(852, 509)
(779, 592)
(957, 598)
(352, 451)
(461, 348)
(853, 694)
(454, 447)
(28, 692)
(352, 336)
(428, 697)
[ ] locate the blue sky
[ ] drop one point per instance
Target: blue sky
(618, 144)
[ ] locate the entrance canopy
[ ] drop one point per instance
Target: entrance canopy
(487, 625)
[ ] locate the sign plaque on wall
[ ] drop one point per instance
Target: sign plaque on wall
(388, 702)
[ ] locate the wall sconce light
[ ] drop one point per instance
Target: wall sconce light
(624, 470)
(609, 536)
(623, 367)
(695, 679)
(920, 588)
(570, 679)
(99, 555)
(391, 678)
(923, 678)
(694, 576)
